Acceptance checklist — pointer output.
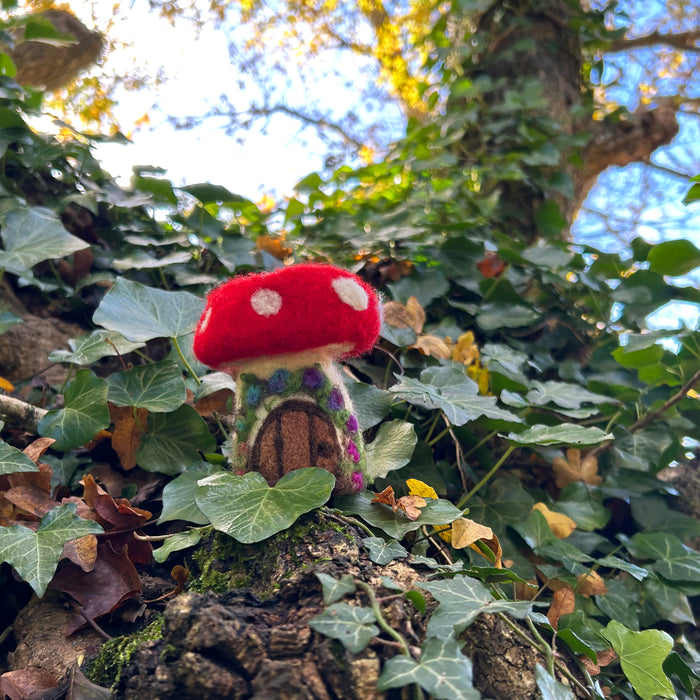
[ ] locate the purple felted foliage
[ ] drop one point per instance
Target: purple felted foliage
(335, 400)
(313, 378)
(352, 424)
(353, 451)
(358, 482)
(278, 381)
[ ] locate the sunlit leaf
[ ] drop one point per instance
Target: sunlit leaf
(93, 347)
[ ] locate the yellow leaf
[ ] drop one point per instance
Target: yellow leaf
(466, 532)
(6, 385)
(433, 346)
(465, 350)
(417, 488)
(561, 525)
(573, 468)
(481, 376)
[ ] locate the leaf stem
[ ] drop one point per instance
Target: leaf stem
(463, 501)
(380, 618)
(183, 359)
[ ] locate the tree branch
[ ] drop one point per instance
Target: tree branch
(683, 41)
(19, 414)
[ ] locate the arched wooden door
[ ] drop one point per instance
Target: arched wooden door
(295, 434)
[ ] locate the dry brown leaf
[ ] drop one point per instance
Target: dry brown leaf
(411, 315)
(606, 657)
(591, 583)
(526, 590)
(126, 436)
(491, 266)
(26, 683)
(561, 525)
(573, 468)
(563, 603)
(386, 497)
(37, 448)
(410, 505)
(216, 402)
(274, 246)
(433, 346)
(82, 552)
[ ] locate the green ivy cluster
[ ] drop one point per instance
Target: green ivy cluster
(560, 330)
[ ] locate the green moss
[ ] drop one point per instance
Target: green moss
(116, 653)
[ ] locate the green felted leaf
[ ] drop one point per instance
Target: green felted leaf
(142, 313)
(174, 441)
(674, 258)
(672, 559)
(250, 510)
(93, 347)
(352, 625)
(35, 555)
(181, 540)
(84, 415)
(334, 589)
(370, 403)
(383, 551)
(13, 460)
(461, 403)
(563, 434)
(443, 671)
(462, 599)
(396, 525)
(32, 235)
(159, 387)
(178, 495)
(391, 449)
(641, 657)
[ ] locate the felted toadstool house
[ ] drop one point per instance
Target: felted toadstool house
(281, 332)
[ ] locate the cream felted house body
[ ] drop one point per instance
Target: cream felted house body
(281, 333)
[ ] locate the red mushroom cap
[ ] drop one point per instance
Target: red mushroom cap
(290, 310)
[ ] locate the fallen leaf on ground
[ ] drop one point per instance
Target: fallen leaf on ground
(126, 436)
(591, 583)
(26, 683)
(399, 316)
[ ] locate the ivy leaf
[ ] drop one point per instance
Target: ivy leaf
(334, 589)
(93, 347)
(35, 555)
(673, 560)
(159, 387)
(13, 460)
(178, 495)
(142, 313)
(564, 394)
(250, 510)
(396, 525)
(174, 441)
(563, 434)
(352, 625)
(391, 449)
(371, 404)
(674, 258)
(8, 319)
(85, 413)
(462, 600)
(550, 687)
(443, 671)
(181, 540)
(641, 657)
(461, 403)
(382, 551)
(32, 235)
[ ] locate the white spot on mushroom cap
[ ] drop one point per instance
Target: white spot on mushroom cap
(266, 302)
(205, 320)
(351, 293)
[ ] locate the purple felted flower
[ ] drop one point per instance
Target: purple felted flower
(313, 378)
(335, 400)
(278, 381)
(358, 481)
(353, 451)
(352, 424)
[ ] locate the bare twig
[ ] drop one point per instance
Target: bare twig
(683, 41)
(20, 414)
